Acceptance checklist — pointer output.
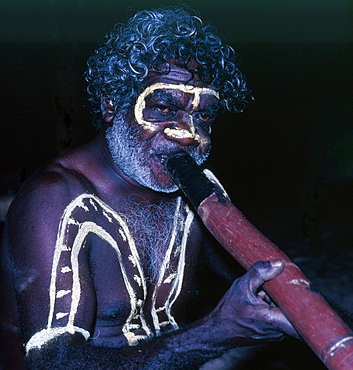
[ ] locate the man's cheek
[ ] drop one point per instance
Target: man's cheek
(205, 144)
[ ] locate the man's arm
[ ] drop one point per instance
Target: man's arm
(248, 322)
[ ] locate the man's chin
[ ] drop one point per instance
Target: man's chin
(162, 186)
(154, 180)
(158, 179)
(167, 190)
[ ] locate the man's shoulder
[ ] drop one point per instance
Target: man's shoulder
(55, 184)
(59, 175)
(65, 171)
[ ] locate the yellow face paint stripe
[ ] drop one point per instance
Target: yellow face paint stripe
(189, 89)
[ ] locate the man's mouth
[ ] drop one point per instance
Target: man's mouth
(162, 158)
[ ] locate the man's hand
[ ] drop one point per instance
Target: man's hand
(246, 314)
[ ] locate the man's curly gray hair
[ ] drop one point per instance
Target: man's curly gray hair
(118, 68)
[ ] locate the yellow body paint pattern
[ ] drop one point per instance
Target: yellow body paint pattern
(87, 214)
(173, 132)
(172, 272)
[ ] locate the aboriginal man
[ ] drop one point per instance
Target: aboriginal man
(101, 251)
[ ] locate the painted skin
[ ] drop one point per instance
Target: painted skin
(104, 304)
(173, 119)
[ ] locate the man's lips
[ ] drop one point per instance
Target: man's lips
(162, 158)
(159, 169)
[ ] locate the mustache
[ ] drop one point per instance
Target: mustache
(171, 148)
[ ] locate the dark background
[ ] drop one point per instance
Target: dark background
(287, 161)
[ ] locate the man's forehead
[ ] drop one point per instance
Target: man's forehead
(188, 89)
(177, 73)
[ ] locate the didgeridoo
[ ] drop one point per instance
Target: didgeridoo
(314, 319)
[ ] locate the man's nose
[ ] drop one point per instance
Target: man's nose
(182, 130)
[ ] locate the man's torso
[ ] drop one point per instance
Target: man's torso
(142, 256)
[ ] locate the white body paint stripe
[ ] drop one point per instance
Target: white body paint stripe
(163, 268)
(136, 313)
(61, 246)
(60, 315)
(174, 293)
(39, 339)
(62, 293)
(176, 279)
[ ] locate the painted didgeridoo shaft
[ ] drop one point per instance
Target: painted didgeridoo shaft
(314, 319)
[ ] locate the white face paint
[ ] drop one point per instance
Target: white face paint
(188, 89)
(135, 156)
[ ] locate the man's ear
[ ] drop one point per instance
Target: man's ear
(107, 109)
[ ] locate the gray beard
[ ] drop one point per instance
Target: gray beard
(130, 155)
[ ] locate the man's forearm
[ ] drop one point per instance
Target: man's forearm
(187, 348)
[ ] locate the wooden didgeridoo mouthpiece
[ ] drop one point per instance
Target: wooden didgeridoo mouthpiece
(313, 318)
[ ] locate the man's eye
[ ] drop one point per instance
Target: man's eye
(204, 117)
(163, 109)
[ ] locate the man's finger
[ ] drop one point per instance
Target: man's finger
(262, 271)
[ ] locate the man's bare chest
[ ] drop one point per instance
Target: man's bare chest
(139, 297)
